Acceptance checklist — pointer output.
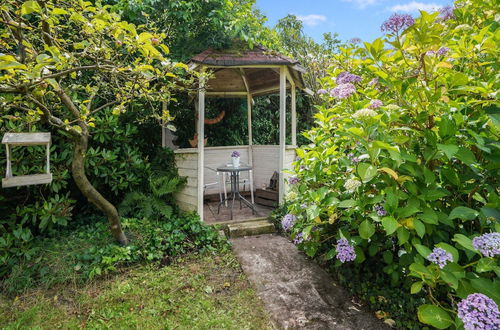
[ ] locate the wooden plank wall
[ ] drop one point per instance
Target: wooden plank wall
(217, 156)
(265, 162)
(187, 163)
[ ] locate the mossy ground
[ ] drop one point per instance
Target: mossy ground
(195, 292)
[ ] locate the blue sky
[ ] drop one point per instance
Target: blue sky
(349, 18)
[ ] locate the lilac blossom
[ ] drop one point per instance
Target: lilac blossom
(440, 257)
(345, 251)
(353, 158)
(347, 77)
(235, 154)
(343, 91)
(355, 40)
(488, 244)
(288, 221)
(446, 13)
(375, 104)
(303, 206)
(293, 180)
(322, 91)
(478, 311)
(397, 22)
(381, 212)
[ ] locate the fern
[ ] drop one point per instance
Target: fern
(156, 202)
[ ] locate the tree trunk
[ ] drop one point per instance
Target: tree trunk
(78, 169)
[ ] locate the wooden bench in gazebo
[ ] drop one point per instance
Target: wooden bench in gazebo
(245, 74)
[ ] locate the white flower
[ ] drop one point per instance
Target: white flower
(364, 114)
(352, 184)
(291, 195)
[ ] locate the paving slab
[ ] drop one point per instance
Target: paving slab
(297, 293)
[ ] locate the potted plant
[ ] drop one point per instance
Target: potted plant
(235, 157)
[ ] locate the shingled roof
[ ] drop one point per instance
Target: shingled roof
(257, 55)
(242, 71)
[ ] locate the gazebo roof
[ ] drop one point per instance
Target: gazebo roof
(231, 57)
(239, 72)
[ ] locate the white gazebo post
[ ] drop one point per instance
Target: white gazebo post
(281, 166)
(294, 114)
(201, 149)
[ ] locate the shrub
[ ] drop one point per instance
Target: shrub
(403, 161)
(81, 255)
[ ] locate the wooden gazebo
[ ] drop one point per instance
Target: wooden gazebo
(245, 74)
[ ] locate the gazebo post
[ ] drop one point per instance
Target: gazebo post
(250, 139)
(281, 166)
(201, 149)
(294, 114)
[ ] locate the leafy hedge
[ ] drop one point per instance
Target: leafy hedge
(402, 169)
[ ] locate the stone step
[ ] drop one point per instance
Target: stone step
(250, 228)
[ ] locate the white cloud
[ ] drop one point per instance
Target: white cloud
(362, 3)
(415, 6)
(311, 20)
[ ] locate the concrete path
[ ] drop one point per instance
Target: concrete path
(297, 293)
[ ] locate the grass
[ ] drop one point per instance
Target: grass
(195, 292)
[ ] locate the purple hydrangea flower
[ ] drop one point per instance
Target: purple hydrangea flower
(381, 212)
(373, 82)
(288, 221)
(478, 311)
(322, 91)
(446, 13)
(397, 22)
(375, 104)
(355, 40)
(343, 91)
(293, 180)
(440, 257)
(488, 244)
(345, 251)
(298, 239)
(303, 206)
(443, 51)
(235, 154)
(347, 77)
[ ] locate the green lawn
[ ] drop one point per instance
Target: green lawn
(201, 292)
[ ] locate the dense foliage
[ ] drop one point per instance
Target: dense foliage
(79, 255)
(402, 169)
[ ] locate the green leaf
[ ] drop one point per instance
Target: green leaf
(403, 235)
(486, 265)
(419, 227)
(491, 288)
(366, 229)
(424, 251)
(466, 156)
(464, 241)
(390, 225)
(449, 149)
(347, 203)
(429, 216)
(420, 271)
(356, 131)
(464, 213)
(29, 7)
(449, 278)
(366, 171)
(416, 287)
(11, 65)
(450, 249)
(434, 316)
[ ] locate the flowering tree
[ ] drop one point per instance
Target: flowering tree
(62, 62)
(403, 163)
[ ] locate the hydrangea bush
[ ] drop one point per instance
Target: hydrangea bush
(403, 163)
